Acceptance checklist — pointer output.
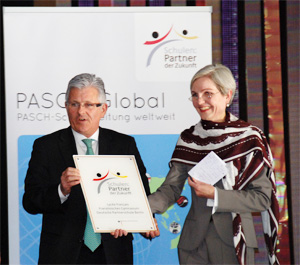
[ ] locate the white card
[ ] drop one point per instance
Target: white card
(210, 169)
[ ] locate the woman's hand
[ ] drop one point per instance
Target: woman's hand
(202, 189)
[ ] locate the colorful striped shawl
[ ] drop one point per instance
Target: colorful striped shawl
(245, 148)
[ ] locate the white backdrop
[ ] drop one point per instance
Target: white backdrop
(146, 57)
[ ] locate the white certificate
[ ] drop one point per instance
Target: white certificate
(114, 193)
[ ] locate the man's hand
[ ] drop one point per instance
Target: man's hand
(69, 178)
(202, 189)
(154, 233)
(118, 233)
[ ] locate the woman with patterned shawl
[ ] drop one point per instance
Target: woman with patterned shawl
(219, 227)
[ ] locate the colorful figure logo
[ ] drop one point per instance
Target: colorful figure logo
(109, 175)
(159, 42)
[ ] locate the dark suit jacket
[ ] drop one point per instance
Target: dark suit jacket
(63, 224)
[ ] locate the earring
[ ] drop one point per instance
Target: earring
(227, 105)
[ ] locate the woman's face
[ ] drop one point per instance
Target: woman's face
(208, 100)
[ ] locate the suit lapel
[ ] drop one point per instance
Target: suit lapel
(68, 146)
(104, 141)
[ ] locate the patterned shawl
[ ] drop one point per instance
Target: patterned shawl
(246, 152)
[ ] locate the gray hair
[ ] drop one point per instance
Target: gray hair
(220, 75)
(82, 81)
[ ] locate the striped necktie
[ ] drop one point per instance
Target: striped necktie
(91, 239)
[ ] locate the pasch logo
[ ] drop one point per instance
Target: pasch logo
(101, 179)
(159, 40)
(170, 47)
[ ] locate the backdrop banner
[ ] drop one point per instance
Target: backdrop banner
(146, 57)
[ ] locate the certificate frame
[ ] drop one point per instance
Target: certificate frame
(114, 193)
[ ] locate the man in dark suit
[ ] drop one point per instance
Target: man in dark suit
(52, 181)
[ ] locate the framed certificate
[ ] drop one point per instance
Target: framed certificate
(114, 193)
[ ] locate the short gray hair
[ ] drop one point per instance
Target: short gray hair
(82, 81)
(220, 75)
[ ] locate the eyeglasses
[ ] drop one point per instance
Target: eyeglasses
(86, 105)
(206, 95)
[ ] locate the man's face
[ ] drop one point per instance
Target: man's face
(83, 115)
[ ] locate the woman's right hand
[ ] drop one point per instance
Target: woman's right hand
(202, 189)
